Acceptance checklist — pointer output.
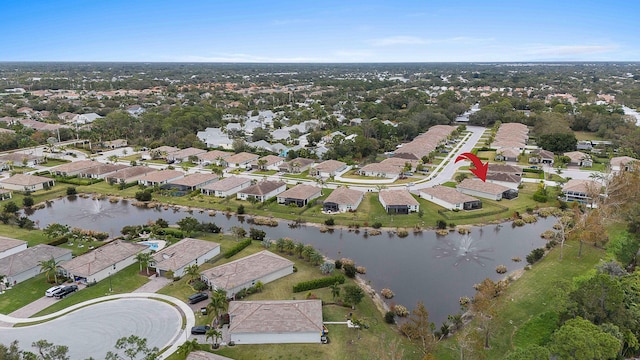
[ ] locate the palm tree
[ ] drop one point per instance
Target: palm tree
(259, 286)
(192, 272)
(214, 335)
(188, 346)
(47, 266)
(144, 259)
(316, 258)
(298, 249)
(335, 290)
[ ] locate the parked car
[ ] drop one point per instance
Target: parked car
(66, 291)
(52, 290)
(200, 329)
(196, 298)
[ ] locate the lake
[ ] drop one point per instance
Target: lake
(426, 267)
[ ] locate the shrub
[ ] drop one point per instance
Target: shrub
(318, 283)
(145, 195)
(518, 222)
(71, 190)
(349, 270)
(199, 285)
(338, 264)
(389, 317)
(240, 210)
(403, 233)
(387, 293)
(441, 224)
(330, 222)
(27, 201)
(535, 255)
(237, 248)
(59, 241)
(501, 269)
(376, 225)
(401, 311)
(327, 268)
(361, 269)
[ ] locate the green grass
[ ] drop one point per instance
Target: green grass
(32, 237)
(54, 162)
(123, 281)
(23, 294)
(539, 290)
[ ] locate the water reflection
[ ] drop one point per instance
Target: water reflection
(463, 249)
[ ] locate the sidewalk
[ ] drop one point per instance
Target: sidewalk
(154, 284)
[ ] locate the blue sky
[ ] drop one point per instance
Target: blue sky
(319, 31)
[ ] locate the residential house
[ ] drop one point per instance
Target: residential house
(398, 201)
(10, 246)
(227, 186)
(215, 138)
(24, 182)
(504, 169)
(275, 321)
(511, 181)
(186, 252)
(245, 272)
(577, 158)
(262, 191)
(507, 154)
(85, 118)
(425, 143)
(479, 188)
(184, 155)
(581, 191)
(115, 144)
(102, 262)
(296, 166)
(381, 170)
(241, 160)
(584, 145)
(450, 198)
(160, 177)
(342, 199)
(623, 163)
(135, 110)
(25, 264)
(300, 195)
(73, 168)
(215, 157)
(100, 171)
(269, 162)
(21, 159)
(5, 194)
(161, 152)
(129, 174)
(540, 156)
(191, 182)
(328, 168)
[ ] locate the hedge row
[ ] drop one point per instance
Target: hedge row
(535, 171)
(59, 241)
(236, 249)
(318, 283)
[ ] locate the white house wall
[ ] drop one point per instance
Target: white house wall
(444, 204)
(199, 261)
(510, 185)
(275, 338)
(34, 271)
(475, 193)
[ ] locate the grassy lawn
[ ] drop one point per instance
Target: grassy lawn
(537, 291)
(264, 172)
(586, 135)
(54, 162)
(123, 281)
(32, 237)
(23, 294)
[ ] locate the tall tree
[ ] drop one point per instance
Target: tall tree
(48, 266)
(579, 339)
(353, 295)
(420, 330)
(131, 347)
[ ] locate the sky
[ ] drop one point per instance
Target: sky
(319, 31)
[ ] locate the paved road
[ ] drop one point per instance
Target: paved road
(93, 331)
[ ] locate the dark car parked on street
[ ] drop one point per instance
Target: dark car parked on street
(66, 291)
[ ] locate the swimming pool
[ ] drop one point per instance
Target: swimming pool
(154, 245)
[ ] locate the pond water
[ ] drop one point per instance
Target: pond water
(437, 270)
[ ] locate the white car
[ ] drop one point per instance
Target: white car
(52, 291)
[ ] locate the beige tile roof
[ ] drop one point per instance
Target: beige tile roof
(244, 270)
(397, 197)
(166, 149)
(103, 169)
(214, 155)
(101, 258)
(263, 187)
(576, 156)
(508, 152)
(18, 158)
(185, 153)
(241, 158)
(621, 161)
(543, 153)
(161, 175)
(194, 179)
(300, 191)
(271, 159)
(425, 143)
(382, 168)
(182, 253)
(29, 258)
(329, 166)
(74, 166)
(582, 186)
(227, 183)
(9, 243)
(505, 177)
(25, 180)
(302, 162)
(481, 186)
(504, 168)
(450, 195)
(344, 195)
(131, 172)
(276, 316)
